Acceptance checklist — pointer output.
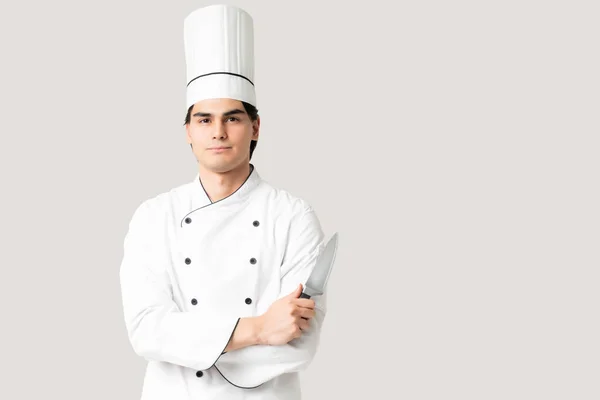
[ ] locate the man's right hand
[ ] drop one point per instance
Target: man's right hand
(286, 318)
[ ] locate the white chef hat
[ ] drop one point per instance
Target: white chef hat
(219, 53)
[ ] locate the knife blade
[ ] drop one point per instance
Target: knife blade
(317, 281)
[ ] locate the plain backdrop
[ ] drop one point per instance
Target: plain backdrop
(453, 145)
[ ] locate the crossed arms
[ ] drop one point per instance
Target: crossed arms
(247, 351)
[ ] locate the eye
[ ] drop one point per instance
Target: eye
(233, 118)
(203, 120)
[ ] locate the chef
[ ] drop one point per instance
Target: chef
(213, 269)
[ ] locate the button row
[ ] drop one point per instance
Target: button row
(247, 301)
(188, 261)
(188, 220)
(194, 302)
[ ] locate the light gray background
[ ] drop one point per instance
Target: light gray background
(453, 145)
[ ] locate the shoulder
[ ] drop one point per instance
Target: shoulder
(285, 203)
(162, 204)
(294, 215)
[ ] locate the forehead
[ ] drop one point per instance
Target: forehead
(217, 106)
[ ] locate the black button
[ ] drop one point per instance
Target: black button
(199, 374)
(248, 300)
(194, 301)
(253, 260)
(188, 220)
(256, 223)
(188, 261)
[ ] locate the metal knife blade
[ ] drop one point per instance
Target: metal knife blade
(318, 278)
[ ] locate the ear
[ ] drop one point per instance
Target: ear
(255, 128)
(188, 136)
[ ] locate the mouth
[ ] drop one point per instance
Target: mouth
(219, 148)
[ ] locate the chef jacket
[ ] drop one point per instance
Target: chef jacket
(192, 268)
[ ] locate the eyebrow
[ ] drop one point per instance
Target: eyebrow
(225, 114)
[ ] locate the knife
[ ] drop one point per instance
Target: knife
(317, 280)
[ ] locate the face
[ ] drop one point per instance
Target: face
(220, 132)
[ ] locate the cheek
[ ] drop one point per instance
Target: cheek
(241, 134)
(195, 134)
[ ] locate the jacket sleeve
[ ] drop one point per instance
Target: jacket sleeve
(156, 327)
(252, 366)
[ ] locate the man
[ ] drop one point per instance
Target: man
(213, 270)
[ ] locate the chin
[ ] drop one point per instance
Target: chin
(222, 165)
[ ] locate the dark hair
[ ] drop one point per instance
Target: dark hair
(252, 113)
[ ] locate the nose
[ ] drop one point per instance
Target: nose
(219, 132)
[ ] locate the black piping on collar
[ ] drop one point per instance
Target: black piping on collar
(225, 73)
(208, 197)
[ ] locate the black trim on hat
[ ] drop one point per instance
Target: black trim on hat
(226, 73)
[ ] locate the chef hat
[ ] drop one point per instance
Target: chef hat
(219, 53)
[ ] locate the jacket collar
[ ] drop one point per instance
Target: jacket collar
(200, 198)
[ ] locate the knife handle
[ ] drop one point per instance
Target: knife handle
(304, 296)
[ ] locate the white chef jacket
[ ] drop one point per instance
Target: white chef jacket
(192, 268)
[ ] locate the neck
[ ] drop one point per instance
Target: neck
(219, 185)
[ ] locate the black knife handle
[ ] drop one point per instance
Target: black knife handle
(304, 296)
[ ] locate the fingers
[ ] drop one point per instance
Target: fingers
(306, 303)
(303, 312)
(303, 324)
(307, 312)
(297, 331)
(296, 292)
